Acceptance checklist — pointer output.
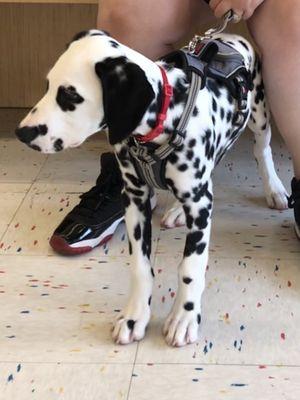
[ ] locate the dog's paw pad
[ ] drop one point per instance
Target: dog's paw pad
(174, 217)
(182, 330)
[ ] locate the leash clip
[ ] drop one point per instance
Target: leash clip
(228, 17)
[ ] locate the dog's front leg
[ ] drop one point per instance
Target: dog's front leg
(131, 324)
(181, 326)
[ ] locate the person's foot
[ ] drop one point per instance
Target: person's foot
(294, 202)
(94, 220)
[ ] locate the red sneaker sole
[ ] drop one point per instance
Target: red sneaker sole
(59, 245)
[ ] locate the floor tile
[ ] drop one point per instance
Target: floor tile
(241, 221)
(19, 163)
(81, 164)
(64, 381)
(42, 211)
(61, 309)
(249, 313)
(192, 382)
(11, 196)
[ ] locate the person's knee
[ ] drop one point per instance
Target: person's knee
(275, 25)
(115, 18)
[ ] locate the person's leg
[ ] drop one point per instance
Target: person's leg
(276, 30)
(153, 28)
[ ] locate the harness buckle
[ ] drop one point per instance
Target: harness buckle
(177, 138)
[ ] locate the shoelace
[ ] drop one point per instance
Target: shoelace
(97, 196)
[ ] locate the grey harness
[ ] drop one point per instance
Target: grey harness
(208, 59)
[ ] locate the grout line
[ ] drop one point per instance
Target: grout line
(86, 258)
(147, 364)
(133, 366)
(25, 196)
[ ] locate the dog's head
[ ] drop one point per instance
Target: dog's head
(96, 82)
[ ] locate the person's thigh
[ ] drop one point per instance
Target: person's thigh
(143, 23)
(275, 24)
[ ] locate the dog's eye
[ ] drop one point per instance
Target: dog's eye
(71, 93)
(67, 97)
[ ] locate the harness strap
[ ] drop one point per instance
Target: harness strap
(150, 163)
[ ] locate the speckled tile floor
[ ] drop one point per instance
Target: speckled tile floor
(56, 312)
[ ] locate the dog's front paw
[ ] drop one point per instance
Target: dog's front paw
(182, 325)
(276, 195)
(131, 325)
(174, 217)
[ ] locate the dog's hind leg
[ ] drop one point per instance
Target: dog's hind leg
(259, 123)
(174, 216)
(182, 324)
(131, 324)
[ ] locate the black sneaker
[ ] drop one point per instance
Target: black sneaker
(94, 220)
(294, 202)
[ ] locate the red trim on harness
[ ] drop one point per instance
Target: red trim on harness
(168, 92)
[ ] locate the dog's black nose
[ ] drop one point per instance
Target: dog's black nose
(28, 133)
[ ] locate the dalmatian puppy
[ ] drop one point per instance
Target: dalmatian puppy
(100, 83)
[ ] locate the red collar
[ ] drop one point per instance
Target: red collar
(159, 128)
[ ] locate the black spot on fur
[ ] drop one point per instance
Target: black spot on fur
(123, 157)
(188, 306)
(134, 180)
(202, 220)
(222, 113)
(152, 272)
(129, 247)
(149, 301)
(130, 324)
(114, 44)
(173, 158)
(126, 199)
(151, 122)
(190, 154)
(192, 243)
(214, 105)
(67, 97)
(136, 192)
(137, 232)
(260, 94)
(182, 167)
(229, 116)
(213, 87)
(198, 319)
(244, 44)
(195, 111)
(58, 145)
(196, 163)
(180, 89)
(199, 174)
(192, 143)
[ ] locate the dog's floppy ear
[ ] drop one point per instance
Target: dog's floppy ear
(126, 96)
